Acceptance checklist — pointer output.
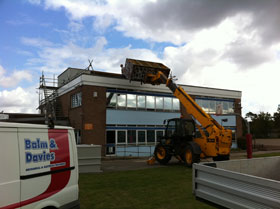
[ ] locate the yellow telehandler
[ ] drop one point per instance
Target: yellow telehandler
(180, 139)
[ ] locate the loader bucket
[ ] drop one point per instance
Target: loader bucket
(137, 70)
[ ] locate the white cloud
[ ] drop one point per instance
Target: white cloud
(202, 62)
(24, 52)
(57, 59)
(171, 21)
(75, 26)
(221, 44)
(247, 66)
(19, 100)
(35, 1)
(13, 79)
(36, 42)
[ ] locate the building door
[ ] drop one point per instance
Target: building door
(110, 142)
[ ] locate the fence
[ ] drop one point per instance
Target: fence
(129, 150)
(89, 157)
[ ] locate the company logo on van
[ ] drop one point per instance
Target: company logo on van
(37, 144)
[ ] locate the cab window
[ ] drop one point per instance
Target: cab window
(170, 128)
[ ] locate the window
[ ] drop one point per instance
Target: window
(141, 101)
(76, 100)
(121, 98)
(176, 104)
(78, 136)
(213, 106)
(110, 142)
(187, 128)
(219, 107)
(141, 136)
(167, 103)
(111, 99)
(159, 103)
(110, 137)
(205, 105)
(150, 102)
(144, 102)
(225, 107)
(230, 107)
(151, 136)
(159, 135)
(121, 137)
(131, 100)
(131, 136)
(171, 128)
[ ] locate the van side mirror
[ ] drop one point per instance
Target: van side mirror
(164, 122)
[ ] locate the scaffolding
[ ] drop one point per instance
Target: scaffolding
(48, 98)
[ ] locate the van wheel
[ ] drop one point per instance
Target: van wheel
(190, 157)
(161, 154)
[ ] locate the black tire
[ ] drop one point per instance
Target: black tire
(221, 158)
(190, 157)
(162, 154)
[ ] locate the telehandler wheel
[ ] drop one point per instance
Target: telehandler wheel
(221, 158)
(190, 157)
(161, 154)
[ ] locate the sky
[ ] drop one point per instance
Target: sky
(212, 43)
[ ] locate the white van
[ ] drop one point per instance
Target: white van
(38, 167)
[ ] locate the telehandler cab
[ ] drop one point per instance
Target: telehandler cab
(180, 139)
(178, 142)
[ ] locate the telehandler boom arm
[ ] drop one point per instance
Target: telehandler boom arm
(218, 141)
(191, 106)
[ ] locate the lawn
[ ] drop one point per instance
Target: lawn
(272, 154)
(156, 188)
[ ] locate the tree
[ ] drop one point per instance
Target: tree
(261, 124)
(276, 118)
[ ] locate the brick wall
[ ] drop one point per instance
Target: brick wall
(237, 110)
(74, 114)
(90, 118)
(94, 113)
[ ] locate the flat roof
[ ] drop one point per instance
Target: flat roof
(115, 80)
(28, 125)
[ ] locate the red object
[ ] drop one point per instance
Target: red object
(249, 145)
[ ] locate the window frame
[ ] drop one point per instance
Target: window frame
(125, 137)
(145, 137)
(76, 100)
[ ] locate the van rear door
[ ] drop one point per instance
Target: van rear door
(9, 168)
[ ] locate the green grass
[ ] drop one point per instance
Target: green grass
(156, 188)
(273, 154)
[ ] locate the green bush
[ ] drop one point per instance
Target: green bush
(241, 143)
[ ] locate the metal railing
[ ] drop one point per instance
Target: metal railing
(50, 82)
(127, 151)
